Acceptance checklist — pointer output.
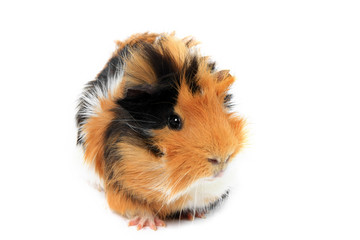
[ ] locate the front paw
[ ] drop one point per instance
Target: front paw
(147, 221)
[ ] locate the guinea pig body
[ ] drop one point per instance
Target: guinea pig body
(157, 126)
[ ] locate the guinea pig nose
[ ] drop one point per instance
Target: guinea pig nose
(214, 161)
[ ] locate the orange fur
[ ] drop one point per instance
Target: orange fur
(95, 129)
(136, 38)
(142, 178)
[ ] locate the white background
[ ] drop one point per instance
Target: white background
(297, 65)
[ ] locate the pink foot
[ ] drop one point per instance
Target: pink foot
(148, 221)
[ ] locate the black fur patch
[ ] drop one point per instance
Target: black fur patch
(162, 64)
(227, 101)
(150, 110)
(191, 71)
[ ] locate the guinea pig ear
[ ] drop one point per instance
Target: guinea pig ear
(221, 75)
(224, 80)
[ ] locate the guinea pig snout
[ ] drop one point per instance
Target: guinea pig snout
(216, 175)
(218, 165)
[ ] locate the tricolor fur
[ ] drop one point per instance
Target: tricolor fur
(123, 115)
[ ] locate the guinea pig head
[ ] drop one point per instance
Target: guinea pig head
(202, 136)
(184, 106)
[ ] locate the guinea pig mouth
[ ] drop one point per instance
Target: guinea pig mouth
(219, 174)
(216, 175)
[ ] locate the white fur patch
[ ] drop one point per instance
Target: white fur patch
(206, 191)
(91, 98)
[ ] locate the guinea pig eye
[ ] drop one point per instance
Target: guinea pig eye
(174, 122)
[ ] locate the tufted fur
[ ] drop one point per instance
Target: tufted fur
(122, 118)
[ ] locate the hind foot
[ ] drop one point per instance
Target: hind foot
(192, 215)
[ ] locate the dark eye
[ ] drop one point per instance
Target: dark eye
(174, 122)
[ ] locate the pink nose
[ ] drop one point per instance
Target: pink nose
(219, 174)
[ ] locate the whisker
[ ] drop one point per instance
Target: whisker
(178, 180)
(148, 114)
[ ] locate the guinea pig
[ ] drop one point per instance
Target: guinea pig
(157, 125)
